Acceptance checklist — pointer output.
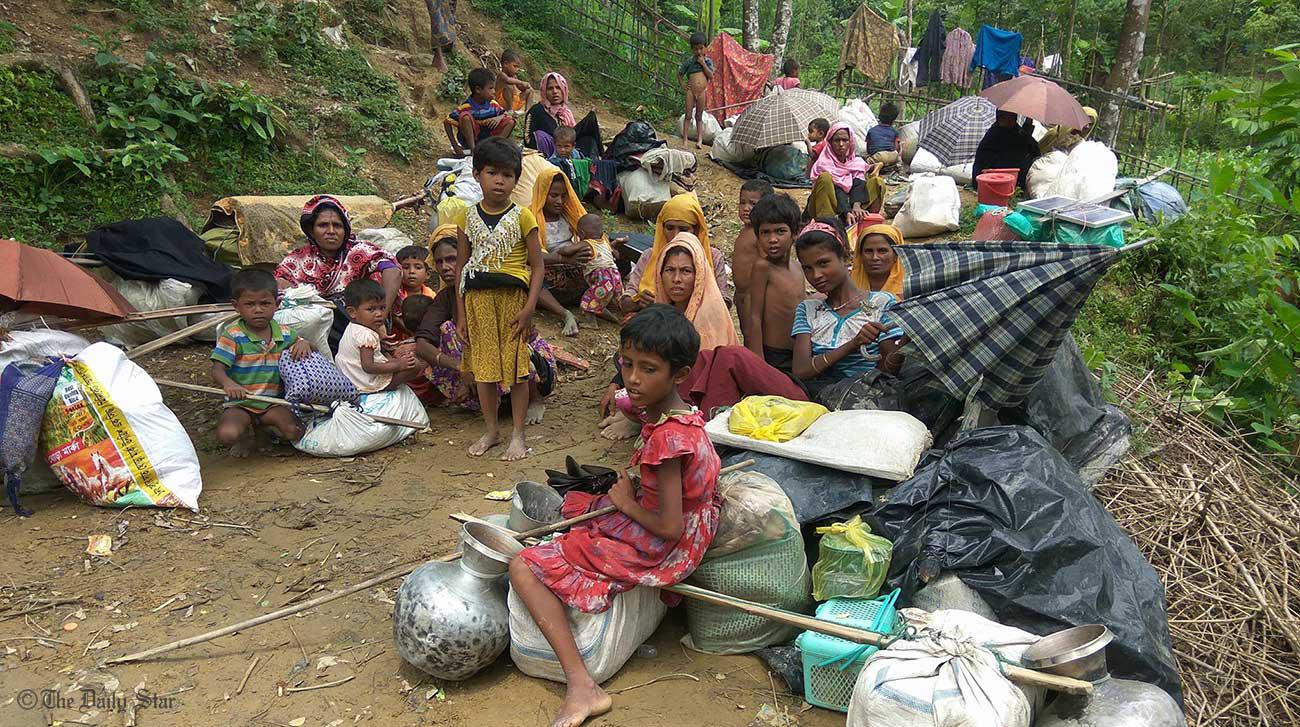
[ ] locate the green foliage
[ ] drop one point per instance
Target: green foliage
(1272, 119)
(7, 32)
(33, 108)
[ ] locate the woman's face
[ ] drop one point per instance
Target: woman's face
(841, 144)
(674, 227)
(444, 261)
(824, 268)
(554, 95)
(678, 277)
(876, 254)
(554, 206)
(328, 231)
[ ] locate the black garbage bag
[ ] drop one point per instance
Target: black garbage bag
(635, 138)
(816, 492)
(1006, 513)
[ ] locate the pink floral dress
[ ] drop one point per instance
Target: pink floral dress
(601, 558)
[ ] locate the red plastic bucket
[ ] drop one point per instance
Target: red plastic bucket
(996, 188)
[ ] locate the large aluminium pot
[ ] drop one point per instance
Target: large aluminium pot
(451, 619)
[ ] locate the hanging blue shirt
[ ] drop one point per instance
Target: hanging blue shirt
(997, 50)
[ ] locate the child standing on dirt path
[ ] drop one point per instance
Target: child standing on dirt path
(661, 529)
(246, 360)
(499, 271)
(745, 250)
(479, 113)
(513, 94)
(696, 72)
(776, 288)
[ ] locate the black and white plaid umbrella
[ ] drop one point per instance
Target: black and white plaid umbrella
(988, 316)
(953, 133)
(782, 118)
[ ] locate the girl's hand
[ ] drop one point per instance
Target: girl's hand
(868, 334)
(579, 256)
(299, 349)
(462, 332)
(522, 325)
(607, 400)
(622, 494)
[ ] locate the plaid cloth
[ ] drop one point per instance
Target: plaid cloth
(24, 394)
(989, 315)
(953, 133)
(782, 117)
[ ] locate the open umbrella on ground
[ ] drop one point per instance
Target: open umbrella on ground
(782, 118)
(34, 280)
(1039, 99)
(953, 133)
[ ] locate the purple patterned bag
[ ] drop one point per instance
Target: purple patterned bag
(314, 380)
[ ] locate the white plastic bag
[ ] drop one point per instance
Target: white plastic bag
(1043, 174)
(389, 239)
(924, 162)
(109, 437)
(149, 296)
(724, 150)
(605, 640)
(309, 315)
(711, 128)
(754, 510)
(643, 195)
(950, 676)
(908, 138)
(1089, 172)
(859, 116)
(839, 440)
(348, 432)
(933, 206)
(35, 345)
(960, 173)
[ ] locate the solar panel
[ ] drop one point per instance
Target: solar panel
(1044, 205)
(1083, 214)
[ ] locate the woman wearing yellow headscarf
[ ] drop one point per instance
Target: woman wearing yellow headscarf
(684, 282)
(680, 214)
(558, 209)
(1065, 138)
(876, 266)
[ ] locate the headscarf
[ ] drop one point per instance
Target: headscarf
(684, 208)
(330, 274)
(894, 283)
(561, 111)
(441, 231)
(573, 209)
(1064, 138)
(706, 309)
(842, 172)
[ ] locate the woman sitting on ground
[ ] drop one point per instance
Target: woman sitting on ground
(438, 345)
(724, 372)
(876, 265)
(558, 209)
(679, 214)
(333, 257)
(553, 111)
(844, 185)
(848, 333)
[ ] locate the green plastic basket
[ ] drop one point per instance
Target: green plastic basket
(831, 665)
(773, 573)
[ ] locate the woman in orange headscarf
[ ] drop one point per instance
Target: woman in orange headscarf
(682, 213)
(876, 266)
(558, 209)
(682, 273)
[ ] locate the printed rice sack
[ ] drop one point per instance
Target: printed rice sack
(109, 437)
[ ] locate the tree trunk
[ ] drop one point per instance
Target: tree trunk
(781, 33)
(749, 25)
(1124, 71)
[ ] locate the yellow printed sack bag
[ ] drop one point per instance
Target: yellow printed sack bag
(773, 418)
(109, 437)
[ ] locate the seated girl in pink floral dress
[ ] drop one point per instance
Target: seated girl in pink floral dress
(661, 529)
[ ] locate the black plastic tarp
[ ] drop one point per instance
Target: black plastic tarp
(815, 491)
(158, 248)
(1006, 513)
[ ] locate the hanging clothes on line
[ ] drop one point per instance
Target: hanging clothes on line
(870, 44)
(907, 69)
(929, 54)
(997, 51)
(958, 48)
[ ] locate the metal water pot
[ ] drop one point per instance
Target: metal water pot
(451, 619)
(1080, 652)
(534, 505)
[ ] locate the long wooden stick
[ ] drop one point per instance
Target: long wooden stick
(283, 402)
(185, 310)
(180, 335)
(400, 571)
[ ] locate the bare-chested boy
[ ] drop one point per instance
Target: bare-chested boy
(775, 289)
(745, 251)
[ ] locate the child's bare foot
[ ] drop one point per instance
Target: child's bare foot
(581, 704)
(484, 443)
(517, 450)
(570, 325)
(536, 410)
(616, 427)
(242, 448)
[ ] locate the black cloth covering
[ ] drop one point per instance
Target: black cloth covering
(1006, 147)
(156, 249)
(587, 131)
(929, 54)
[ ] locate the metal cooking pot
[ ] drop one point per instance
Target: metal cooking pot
(534, 505)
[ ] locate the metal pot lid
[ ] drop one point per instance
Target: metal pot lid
(1072, 644)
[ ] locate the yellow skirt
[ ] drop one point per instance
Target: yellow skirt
(495, 355)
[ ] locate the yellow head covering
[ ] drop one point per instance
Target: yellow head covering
(573, 209)
(448, 229)
(894, 283)
(706, 309)
(682, 208)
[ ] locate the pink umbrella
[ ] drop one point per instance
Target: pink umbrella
(1039, 99)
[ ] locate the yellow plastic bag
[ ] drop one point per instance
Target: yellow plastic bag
(851, 562)
(773, 418)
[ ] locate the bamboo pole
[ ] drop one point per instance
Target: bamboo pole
(180, 335)
(284, 402)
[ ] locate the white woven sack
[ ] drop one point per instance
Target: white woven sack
(711, 128)
(1043, 174)
(1089, 172)
(309, 315)
(924, 162)
(347, 432)
(933, 207)
(643, 195)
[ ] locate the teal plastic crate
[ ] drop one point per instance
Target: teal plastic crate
(831, 665)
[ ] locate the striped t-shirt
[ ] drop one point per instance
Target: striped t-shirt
(251, 362)
(829, 330)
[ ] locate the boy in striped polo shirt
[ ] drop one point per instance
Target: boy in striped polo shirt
(246, 361)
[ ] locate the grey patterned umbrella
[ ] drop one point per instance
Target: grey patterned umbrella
(953, 132)
(782, 118)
